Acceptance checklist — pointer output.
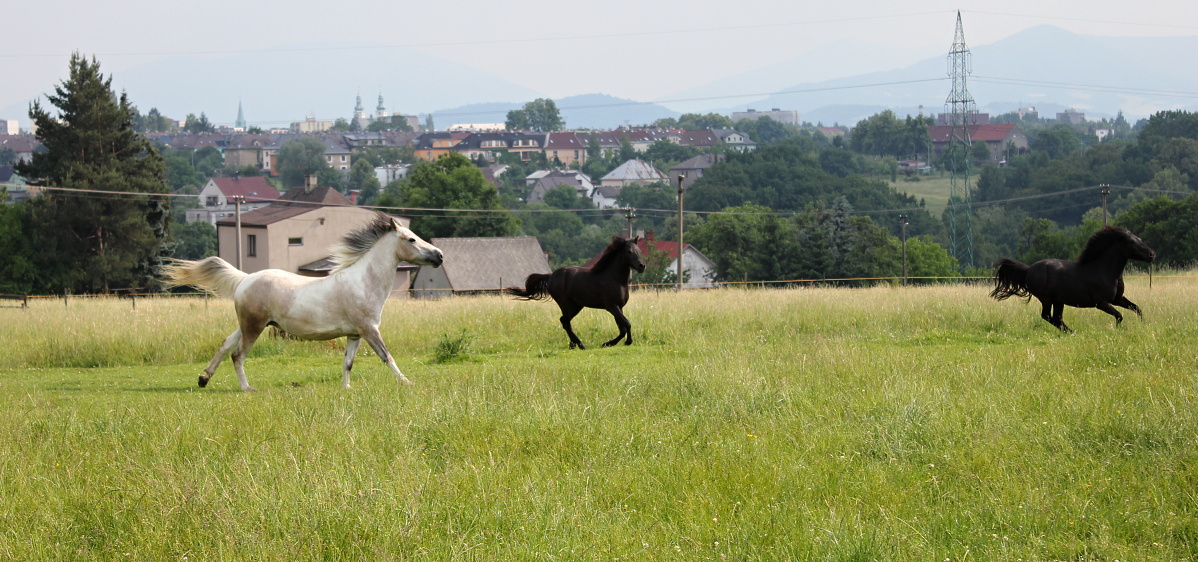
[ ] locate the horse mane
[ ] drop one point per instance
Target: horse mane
(1102, 241)
(610, 253)
(355, 244)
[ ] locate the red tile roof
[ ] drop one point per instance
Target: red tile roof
(253, 188)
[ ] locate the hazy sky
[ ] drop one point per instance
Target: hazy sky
(637, 49)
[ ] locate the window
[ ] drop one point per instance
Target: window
(295, 241)
(212, 201)
(343, 157)
(251, 245)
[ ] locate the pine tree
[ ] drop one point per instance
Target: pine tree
(95, 242)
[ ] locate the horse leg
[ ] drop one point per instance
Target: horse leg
(1107, 308)
(1058, 310)
(568, 314)
(375, 339)
(351, 349)
(1125, 303)
(623, 324)
(249, 335)
(232, 341)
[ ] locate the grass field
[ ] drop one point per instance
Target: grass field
(884, 423)
(934, 189)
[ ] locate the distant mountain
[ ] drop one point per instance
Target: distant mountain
(588, 111)
(1097, 75)
(279, 86)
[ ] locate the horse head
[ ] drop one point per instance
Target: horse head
(413, 249)
(1139, 251)
(633, 255)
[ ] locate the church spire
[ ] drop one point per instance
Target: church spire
(240, 116)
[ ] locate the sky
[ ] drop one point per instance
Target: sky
(643, 50)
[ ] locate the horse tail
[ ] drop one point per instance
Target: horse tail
(536, 287)
(211, 274)
(1010, 279)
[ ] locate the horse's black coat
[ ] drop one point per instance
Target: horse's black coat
(604, 285)
(1094, 280)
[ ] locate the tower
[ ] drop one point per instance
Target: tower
(961, 110)
(240, 123)
(380, 112)
(359, 111)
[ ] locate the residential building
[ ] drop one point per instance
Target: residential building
(217, 198)
(735, 140)
(480, 265)
(310, 125)
(566, 148)
(22, 146)
(296, 232)
(633, 171)
(693, 169)
(9, 127)
(1071, 117)
(545, 182)
(997, 137)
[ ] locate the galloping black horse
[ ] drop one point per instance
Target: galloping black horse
(1095, 280)
(604, 285)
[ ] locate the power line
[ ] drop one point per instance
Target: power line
(427, 211)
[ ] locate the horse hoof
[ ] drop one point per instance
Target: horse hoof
(204, 381)
(248, 389)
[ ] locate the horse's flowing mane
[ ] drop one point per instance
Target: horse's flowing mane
(1102, 241)
(357, 243)
(610, 253)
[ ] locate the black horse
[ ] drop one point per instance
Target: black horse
(1095, 280)
(604, 285)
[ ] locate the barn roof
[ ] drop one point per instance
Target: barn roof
(483, 264)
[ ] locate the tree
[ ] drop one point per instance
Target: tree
(539, 115)
(300, 158)
(199, 124)
(196, 240)
(452, 182)
(86, 243)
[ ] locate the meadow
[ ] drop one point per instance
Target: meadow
(882, 423)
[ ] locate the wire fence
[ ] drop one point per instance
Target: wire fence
(133, 295)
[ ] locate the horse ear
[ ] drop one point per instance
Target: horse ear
(395, 225)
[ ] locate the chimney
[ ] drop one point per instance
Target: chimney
(353, 195)
(309, 183)
(649, 235)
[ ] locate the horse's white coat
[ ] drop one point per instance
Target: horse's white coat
(348, 303)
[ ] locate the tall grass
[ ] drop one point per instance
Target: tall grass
(882, 423)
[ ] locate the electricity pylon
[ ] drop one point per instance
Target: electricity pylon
(961, 110)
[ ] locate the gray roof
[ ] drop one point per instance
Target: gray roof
(635, 169)
(481, 264)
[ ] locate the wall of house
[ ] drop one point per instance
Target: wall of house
(318, 229)
(431, 283)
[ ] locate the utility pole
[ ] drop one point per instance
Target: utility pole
(903, 223)
(237, 211)
(680, 246)
(1106, 190)
(630, 214)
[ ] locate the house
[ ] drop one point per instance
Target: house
(249, 150)
(605, 196)
(430, 146)
(337, 155)
(295, 232)
(566, 148)
(218, 195)
(22, 146)
(478, 265)
(735, 140)
(693, 169)
(388, 173)
(545, 182)
(633, 171)
(697, 269)
(996, 136)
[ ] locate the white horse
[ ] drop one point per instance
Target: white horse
(349, 302)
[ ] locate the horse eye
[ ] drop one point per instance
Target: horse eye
(411, 240)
